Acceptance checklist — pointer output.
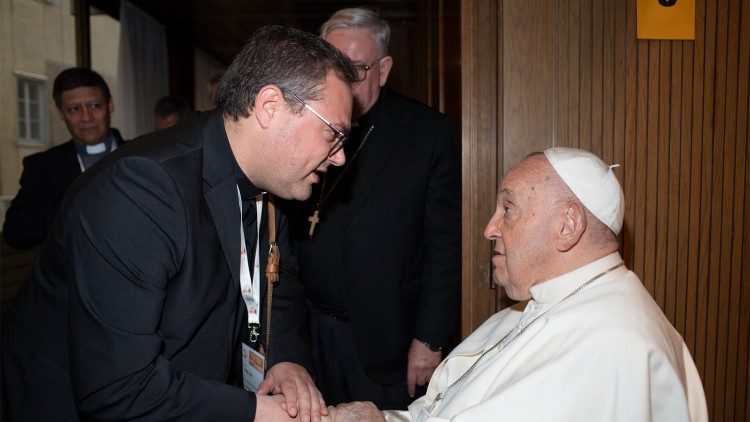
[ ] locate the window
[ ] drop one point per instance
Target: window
(32, 108)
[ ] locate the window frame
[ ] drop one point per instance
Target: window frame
(43, 118)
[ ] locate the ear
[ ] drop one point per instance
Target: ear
(268, 104)
(573, 226)
(111, 106)
(386, 63)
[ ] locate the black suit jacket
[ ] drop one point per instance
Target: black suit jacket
(133, 310)
(389, 236)
(46, 177)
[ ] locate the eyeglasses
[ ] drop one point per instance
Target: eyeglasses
(363, 68)
(339, 137)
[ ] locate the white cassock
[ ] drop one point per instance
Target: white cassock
(606, 353)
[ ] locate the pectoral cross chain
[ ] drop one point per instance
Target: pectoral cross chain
(315, 218)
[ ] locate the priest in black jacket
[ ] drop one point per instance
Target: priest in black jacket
(85, 104)
(379, 242)
(134, 309)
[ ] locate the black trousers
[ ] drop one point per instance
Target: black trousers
(339, 374)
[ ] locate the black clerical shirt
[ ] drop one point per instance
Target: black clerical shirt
(329, 275)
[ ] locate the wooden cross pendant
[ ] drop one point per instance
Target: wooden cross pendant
(313, 219)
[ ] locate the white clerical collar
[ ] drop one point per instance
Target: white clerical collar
(96, 149)
(552, 291)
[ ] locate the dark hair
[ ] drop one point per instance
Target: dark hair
(76, 77)
(166, 106)
(291, 59)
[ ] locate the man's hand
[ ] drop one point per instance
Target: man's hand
(422, 363)
(300, 394)
(268, 408)
(358, 411)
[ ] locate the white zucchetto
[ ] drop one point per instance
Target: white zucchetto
(592, 181)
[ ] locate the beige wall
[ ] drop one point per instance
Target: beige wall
(8, 158)
(33, 34)
(105, 49)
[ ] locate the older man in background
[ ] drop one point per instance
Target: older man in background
(379, 242)
(590, 344)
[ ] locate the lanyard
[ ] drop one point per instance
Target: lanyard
(250, 291)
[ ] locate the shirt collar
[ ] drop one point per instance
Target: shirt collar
(554, 290)
(105, 145)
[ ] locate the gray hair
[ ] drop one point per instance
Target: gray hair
(360, 17)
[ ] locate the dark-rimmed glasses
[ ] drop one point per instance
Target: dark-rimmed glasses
(339, 137)
(363, 68)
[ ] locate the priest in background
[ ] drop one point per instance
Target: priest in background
(379, 240)
(84, 103)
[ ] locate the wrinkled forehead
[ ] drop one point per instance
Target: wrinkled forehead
(531, 174)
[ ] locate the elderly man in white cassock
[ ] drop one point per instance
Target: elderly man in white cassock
(590, 344)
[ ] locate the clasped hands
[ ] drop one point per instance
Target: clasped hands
(295, 397)
(421, 364)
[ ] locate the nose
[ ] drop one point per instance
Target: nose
(87, 114)
(338, 159)
(492, 231)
